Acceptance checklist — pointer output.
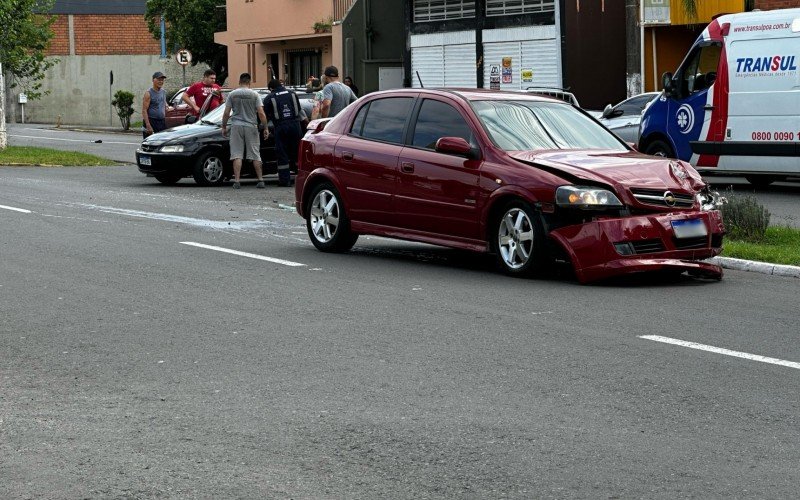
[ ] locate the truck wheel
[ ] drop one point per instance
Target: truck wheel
(209, 168)
(760, 181)
(660, 148)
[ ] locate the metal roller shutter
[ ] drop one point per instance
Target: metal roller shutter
(444, 59)
(533, 47)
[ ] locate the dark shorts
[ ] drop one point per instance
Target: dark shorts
(157, 124)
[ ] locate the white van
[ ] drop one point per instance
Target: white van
(733, 105)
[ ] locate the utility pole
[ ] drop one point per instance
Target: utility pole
(3, 136)
(633, 47)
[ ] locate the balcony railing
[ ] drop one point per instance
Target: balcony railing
(340, 9)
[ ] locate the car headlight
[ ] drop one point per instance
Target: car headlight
(586, 197)
(175, 148)
(710, 200)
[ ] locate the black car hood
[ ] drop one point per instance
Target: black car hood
(183, 132)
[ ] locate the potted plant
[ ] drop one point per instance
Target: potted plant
(323, 26)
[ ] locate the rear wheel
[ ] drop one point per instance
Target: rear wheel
(660, 148)
(168, 179)
(760, 181)
(209, 168)
(518, 240)
(327, 222)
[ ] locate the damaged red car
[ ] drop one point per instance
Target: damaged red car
(533, 180)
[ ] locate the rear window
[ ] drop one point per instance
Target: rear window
(383, 119)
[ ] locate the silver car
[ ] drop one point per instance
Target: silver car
(623, 119)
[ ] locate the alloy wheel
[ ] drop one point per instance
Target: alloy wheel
(212, 169)
(324, 216)
(515, 238)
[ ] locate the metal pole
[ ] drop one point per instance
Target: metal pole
(3, 137)
(184, 74)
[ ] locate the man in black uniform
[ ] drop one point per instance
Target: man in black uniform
(283, 109)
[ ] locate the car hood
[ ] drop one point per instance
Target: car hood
(622, 170)
(182, 132)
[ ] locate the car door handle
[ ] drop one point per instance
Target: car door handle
(407, 167)
(347, 156)
(708, 107)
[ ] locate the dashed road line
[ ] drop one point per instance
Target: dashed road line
(719, 350)
(21, 210)
(243, 254)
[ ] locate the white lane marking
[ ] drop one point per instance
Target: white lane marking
(16, 209)
(75, 140)
(243, 254)
(719, 350)
(192, 221)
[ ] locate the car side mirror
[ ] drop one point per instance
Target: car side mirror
(190, 119)
(455, 146)
(667, 83)
(607, 111)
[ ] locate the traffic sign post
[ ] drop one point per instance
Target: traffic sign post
(184, 57)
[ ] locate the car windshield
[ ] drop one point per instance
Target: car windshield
(533, 125)
(214, 116)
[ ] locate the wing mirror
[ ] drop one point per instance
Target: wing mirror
(190, 119)
(456, 146)
(607, 111)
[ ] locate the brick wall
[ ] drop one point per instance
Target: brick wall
(104, 35)
(776, 4)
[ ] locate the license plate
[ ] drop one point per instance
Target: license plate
(144, 160)
(689, 228)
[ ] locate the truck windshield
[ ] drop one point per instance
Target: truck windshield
(532, 125)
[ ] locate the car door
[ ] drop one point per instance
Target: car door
(437, 192)
(177, 115)
(365, 159)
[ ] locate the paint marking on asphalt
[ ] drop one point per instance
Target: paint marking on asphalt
(719, 350)
(16, 209)
(243, 254)
(72, 140)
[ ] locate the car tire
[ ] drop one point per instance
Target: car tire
(760, 181)
(660, 148)
(168, 179)
(518, 240)
(327, 222)
(209, 169)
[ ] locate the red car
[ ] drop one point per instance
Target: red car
(530, 179)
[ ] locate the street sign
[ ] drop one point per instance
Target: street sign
(183, 57)
(23, 98)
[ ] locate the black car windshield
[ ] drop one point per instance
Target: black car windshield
(532, 125)
(214, 116)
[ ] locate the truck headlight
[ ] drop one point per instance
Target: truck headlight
(586, 197)
(174, 148)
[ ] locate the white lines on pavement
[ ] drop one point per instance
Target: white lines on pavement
(73, 140)
(243, 225)
(244, 254)
(22, 210)
(719, 350)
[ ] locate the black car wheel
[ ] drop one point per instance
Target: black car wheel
(209, 169)
(518, 240)
(327, 222)
(660, 148)
(168, 179)
(760, 181)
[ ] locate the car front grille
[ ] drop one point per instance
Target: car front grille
(656, 197)
(647, 246)
(690, 243)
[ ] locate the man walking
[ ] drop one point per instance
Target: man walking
(336, 95)
(154, 106)
(284, 111)
(196, 95)
(244, 109)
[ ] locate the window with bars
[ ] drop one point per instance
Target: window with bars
(439, 10)
(512, 7)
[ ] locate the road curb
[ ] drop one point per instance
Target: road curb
(756, 267)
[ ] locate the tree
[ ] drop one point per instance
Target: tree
(24, 37)
(123, 101)
(191, 25)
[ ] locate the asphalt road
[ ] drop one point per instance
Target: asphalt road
(137, 364)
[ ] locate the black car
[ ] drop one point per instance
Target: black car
(198, 150)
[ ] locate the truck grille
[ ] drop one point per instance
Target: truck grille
(656, 197)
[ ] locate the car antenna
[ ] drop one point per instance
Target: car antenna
(420, 80)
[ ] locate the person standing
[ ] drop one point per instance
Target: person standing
(154, 106)
(196, 95)
(283, 109)
(244, 109)
(349, 82)
(335, 96)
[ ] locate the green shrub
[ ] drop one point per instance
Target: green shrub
(745, 218)
(123, 101)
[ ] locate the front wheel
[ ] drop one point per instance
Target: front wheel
(327, 222)
(660, 148)
(518, 240)
(168, 179)
(208, 169)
